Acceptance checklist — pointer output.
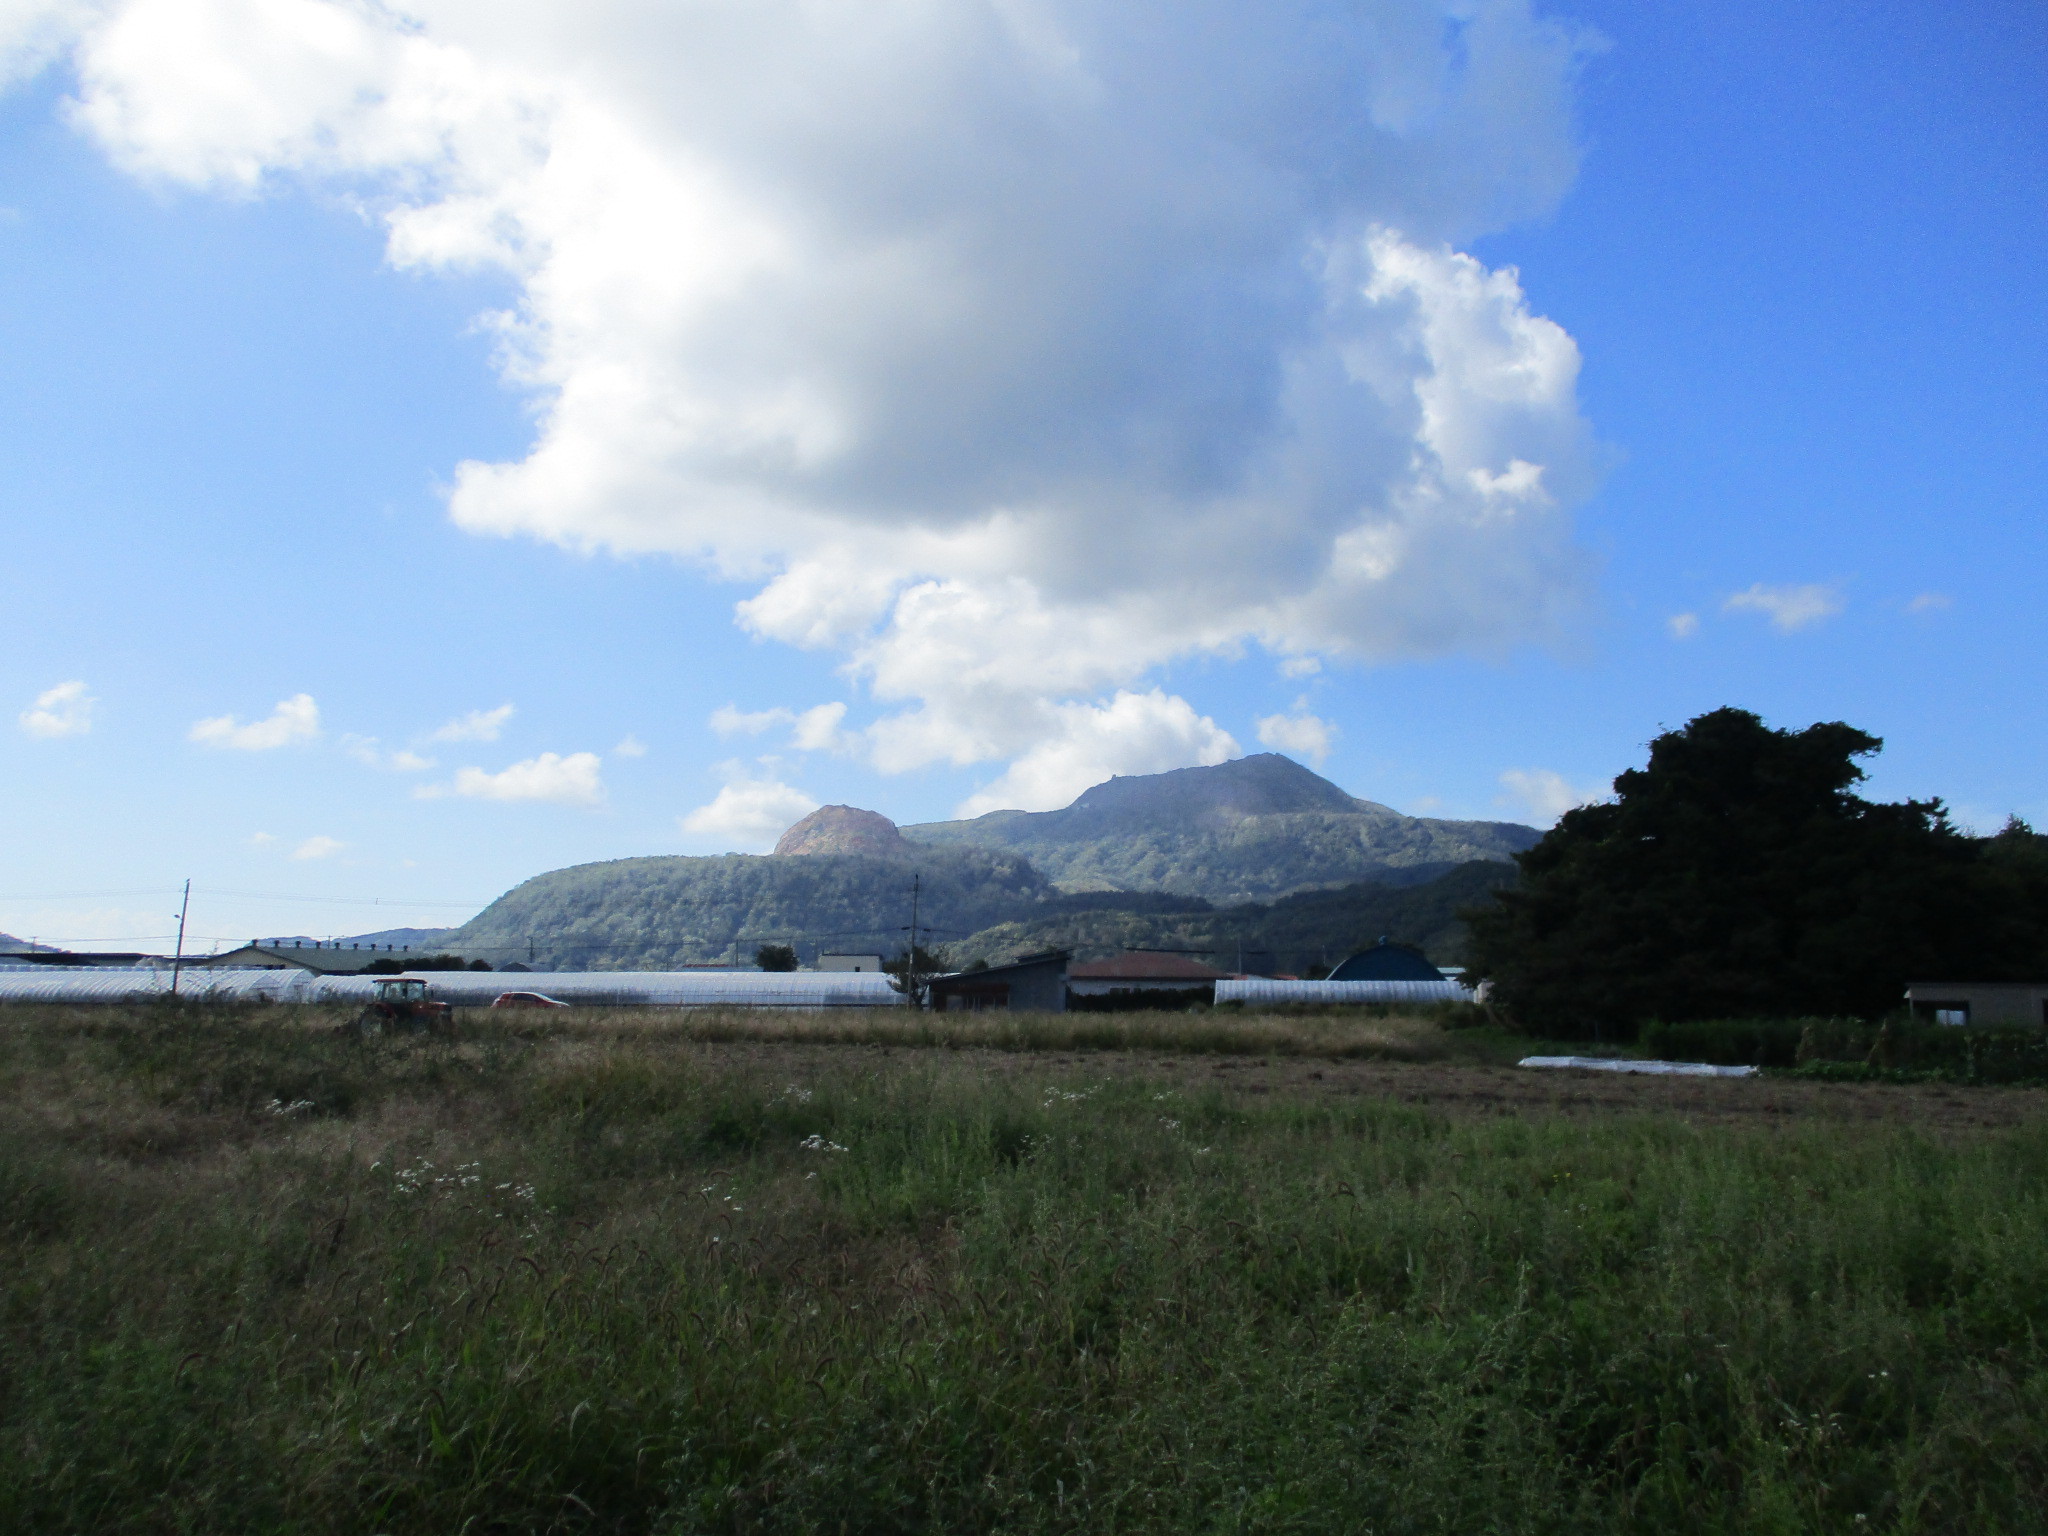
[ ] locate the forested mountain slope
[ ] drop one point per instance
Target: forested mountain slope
(1134, 861)
(651, 913)
(1249, 830)
(1303, 934)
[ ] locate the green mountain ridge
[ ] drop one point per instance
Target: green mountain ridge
(1303, 934)
(656, 912)
(1145, 860)
(1254, 829)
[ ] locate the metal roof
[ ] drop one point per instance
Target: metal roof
(1263, 989)
(1145, 965)
(327, 959)
(1049, 957)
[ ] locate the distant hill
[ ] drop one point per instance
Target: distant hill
(10, 945)
(651, 913)
(1250, 830)
(1303, 934)
(405, 938)
(1133, 861)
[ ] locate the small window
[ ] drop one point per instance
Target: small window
(1951, 1013)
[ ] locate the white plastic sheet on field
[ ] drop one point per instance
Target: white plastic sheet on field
(1661, 1068)
(1265, 989)
(750, 989)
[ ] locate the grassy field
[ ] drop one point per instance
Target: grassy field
(802, 1274)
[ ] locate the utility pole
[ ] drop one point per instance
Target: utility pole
(178, 958)
(913, 981)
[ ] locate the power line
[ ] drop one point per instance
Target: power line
(160, 890)
(200, 890)
(344, 901)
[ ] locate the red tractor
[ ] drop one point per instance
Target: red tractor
(401, 1004)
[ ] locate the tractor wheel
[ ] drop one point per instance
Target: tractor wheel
(369, 1024)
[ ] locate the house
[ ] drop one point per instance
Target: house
(1979, 1002)
(848, 963)
(1386, 961)
(1035, 982)
(1143, 979)
(341, 958)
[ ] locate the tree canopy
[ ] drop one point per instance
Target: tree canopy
(1740, 875)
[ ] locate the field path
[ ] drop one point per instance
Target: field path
(1451, 1087)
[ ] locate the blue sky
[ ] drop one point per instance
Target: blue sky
(1795, 250)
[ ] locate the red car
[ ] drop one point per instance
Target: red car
(527, 1000)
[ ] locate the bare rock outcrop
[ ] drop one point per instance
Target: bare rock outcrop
(846, 829)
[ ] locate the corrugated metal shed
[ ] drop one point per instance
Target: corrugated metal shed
(1262, 989)
(687, 989)
(1034, 982)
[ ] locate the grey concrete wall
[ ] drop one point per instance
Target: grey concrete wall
(1985, 1002)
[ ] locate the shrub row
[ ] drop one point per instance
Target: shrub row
(1898, 1045)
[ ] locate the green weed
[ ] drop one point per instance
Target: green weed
(534, 1279)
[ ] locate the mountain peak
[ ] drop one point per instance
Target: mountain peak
(1248, 830)
(1265, 784)
(845, 829)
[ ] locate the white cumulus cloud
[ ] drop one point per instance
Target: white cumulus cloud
(1683, 626)
(295, 719)
(818, 730)
(749, 813)
(318, 847)
(365, 750)
(1083, 744)
(630, 746)
(1788, 608)
(812, 730)
(65, 710)
(1011, 349)
(1545, 795)
(551, 777)
(477, 725)
(731, 720)
(1301, 733)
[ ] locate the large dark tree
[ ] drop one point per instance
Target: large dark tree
(1739, 875)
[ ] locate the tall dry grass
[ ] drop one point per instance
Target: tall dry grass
(1335, 1034)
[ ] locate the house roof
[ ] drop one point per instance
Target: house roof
(328, 961)
(1145, 965)
(1021, 963)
